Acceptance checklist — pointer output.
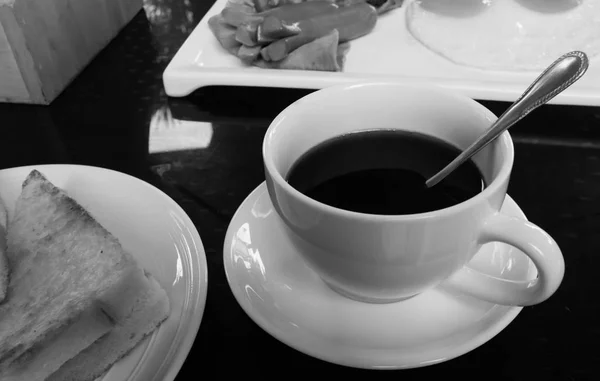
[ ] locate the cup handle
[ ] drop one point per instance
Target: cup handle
(531, 240)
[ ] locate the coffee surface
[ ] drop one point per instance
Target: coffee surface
(384, 172)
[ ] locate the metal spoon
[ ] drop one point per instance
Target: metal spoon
(561, 74)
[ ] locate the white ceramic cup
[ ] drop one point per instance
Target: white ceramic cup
(382, 258)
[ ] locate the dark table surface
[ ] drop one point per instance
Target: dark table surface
(115, 112)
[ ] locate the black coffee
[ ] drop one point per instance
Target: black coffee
(384, 172)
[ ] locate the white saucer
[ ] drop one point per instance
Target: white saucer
(288, 300)
(155, 230)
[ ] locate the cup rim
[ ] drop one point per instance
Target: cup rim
(504, 141)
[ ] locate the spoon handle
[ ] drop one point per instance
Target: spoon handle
(561, 74)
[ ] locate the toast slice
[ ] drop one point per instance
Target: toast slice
(71, 283)
(3, 259)
(150, 311)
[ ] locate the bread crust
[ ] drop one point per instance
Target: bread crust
(4, 271)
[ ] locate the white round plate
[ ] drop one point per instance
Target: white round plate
(159, 234)
(288, 300)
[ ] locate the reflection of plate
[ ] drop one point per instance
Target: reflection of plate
(163, 239)
(389, 52)
(288, 300)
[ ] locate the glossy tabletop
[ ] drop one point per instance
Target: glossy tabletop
(205, 152)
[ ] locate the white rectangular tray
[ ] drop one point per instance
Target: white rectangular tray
(389, 52)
